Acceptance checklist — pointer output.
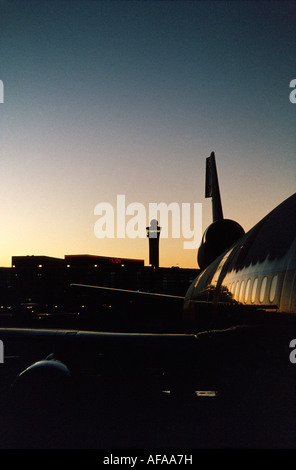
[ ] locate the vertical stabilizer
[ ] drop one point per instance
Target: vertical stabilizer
(212, 187)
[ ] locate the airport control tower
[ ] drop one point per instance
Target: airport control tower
(153, 233)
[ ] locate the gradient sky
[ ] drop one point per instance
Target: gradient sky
(108, 98)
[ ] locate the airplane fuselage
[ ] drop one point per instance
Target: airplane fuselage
(255, 279)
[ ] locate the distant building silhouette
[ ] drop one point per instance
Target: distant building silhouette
(153, 233)
(36, 292)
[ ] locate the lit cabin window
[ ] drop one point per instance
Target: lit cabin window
(236, 290)
(247, 291)
(241, 291)
(254, 290)
(273, 288)
(262, 289)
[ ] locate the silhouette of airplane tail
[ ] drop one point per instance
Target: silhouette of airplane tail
(212, 187)
(221, 233)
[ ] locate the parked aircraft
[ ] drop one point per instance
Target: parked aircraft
(246, 277)
(254, 278)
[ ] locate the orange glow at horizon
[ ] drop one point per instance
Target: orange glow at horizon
(97, 105)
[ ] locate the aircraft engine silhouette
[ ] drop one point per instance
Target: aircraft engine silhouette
(219, 236)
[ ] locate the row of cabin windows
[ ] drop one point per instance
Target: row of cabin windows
(248, 294)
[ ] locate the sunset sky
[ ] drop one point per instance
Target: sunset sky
(108, 98)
